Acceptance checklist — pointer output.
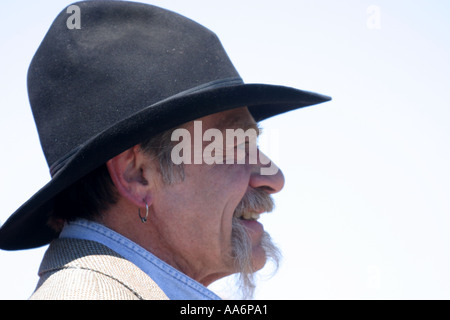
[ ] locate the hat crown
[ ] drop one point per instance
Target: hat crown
(126, 57)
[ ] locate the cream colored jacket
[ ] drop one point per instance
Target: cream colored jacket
(75, 269)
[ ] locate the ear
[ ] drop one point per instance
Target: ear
(126, 173)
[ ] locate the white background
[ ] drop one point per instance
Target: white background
(365, 210)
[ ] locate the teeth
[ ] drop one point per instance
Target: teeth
(255, 216)
(249, 216)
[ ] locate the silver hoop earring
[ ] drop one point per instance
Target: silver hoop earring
(143, 219)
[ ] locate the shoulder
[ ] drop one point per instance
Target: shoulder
(81, 284)
(81, 269)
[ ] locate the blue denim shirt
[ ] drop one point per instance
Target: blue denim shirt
(175, 284)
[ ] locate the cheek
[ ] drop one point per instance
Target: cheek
(201, 207)
(222, 185)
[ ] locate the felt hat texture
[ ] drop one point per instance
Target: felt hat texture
(130, 71)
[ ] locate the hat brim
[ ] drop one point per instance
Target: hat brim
(27, 228)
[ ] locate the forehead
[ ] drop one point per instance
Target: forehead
(239, 118)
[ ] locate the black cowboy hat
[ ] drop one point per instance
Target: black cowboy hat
(126, 72)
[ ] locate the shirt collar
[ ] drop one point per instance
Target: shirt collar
(175, 284)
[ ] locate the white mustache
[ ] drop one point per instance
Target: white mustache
(255, 200)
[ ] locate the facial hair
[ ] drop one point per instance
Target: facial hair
(255, 200)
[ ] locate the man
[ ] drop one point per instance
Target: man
(121, 92)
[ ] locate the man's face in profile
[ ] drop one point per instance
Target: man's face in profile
(208, 222)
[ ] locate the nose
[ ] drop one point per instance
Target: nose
(267, 175)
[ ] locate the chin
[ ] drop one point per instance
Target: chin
(259, 258)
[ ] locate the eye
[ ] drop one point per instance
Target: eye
(241, 151)
(246, 152)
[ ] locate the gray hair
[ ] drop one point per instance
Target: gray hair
(160, 147)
